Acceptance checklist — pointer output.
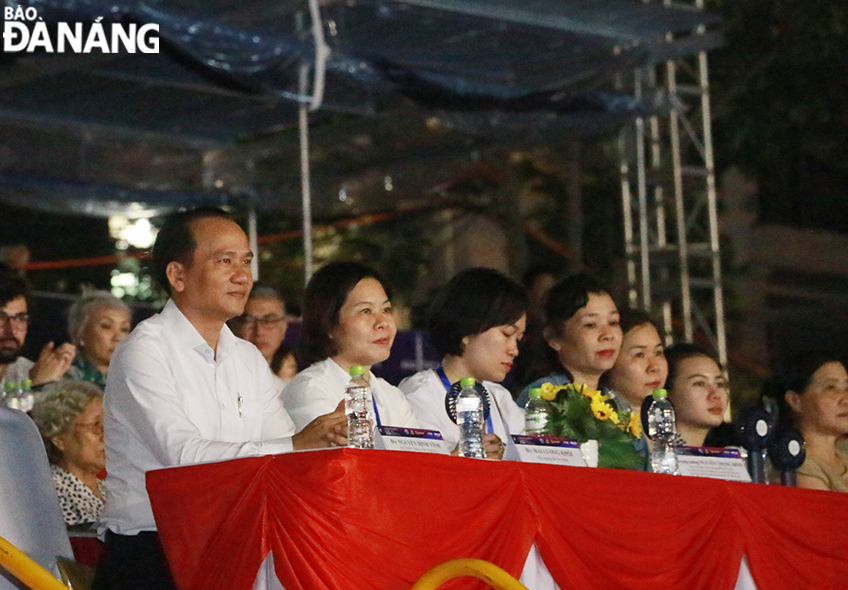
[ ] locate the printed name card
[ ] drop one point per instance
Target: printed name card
(553, 450)
(391, 438)
(712, 462)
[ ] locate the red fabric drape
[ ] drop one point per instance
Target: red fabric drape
(348, 519)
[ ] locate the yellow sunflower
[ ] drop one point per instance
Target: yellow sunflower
(549, 391)
(635, 425)
(602, 410)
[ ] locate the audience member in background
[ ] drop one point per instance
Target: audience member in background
(284, 363)
(16, 257)
(347, 321)
(53, 361)
(97, 322)
(641, 366)
(582, 335)
(476, 322)
(69, 415)
(817, 396)
(697, 386)
(264, 320)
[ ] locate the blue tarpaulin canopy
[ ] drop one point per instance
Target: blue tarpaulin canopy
(228, 73)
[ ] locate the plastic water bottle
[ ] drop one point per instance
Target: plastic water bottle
(470, 418)
(661, 431)
(537, 414)
(360, 427)
(10, 388)
(26, 399)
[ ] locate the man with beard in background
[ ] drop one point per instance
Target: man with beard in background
(53, 361)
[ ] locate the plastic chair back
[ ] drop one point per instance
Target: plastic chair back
(30, 516)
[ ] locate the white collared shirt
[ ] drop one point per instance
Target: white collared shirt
(170, 400)
(426, 394)
(319, 389)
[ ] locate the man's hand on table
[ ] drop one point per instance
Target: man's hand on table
(329, 430)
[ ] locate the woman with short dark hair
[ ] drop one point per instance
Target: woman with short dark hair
(581, 338)
(347, 321)
(475, 323)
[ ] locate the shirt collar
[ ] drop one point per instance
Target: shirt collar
(187, 336)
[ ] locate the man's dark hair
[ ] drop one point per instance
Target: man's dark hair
(470, 303)
(175, 241)
(12, 286)
(325, 295)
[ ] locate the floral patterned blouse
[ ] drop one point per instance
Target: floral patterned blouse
(78, 502)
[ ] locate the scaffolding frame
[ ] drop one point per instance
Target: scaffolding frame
(669, 202)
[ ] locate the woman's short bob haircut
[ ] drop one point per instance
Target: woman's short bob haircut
(57, 406)
(80, 312)
(470, 303)
(325, 295)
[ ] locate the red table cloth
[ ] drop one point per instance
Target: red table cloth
(348, 519)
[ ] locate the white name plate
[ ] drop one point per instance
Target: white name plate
(553, 450)
(712, 462)
(391, 438)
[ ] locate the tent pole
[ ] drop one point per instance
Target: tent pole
(305, 188)
(254, 244)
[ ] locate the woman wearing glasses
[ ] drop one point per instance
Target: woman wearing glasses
(69, 416)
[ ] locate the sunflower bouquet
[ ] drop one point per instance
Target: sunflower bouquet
(582, 414)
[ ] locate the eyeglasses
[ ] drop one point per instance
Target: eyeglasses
(20, 320)
(268, 321)
(94, 427)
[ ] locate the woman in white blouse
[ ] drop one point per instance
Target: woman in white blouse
(475, 322)
(347, 321)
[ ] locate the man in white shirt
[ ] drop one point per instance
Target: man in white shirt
(183, 389)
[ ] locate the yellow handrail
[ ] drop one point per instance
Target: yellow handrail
(17, 563)
(478, 568)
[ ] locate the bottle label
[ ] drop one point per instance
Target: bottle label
(535, 422)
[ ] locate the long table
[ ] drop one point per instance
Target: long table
(348, 519)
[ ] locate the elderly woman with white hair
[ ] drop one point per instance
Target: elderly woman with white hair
(97, 322)
(69, 416)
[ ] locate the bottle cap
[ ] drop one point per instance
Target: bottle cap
(536, 393)
(468, 382)
(357, 370)
(659, 393)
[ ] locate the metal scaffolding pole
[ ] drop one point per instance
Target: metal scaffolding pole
(667, 172)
